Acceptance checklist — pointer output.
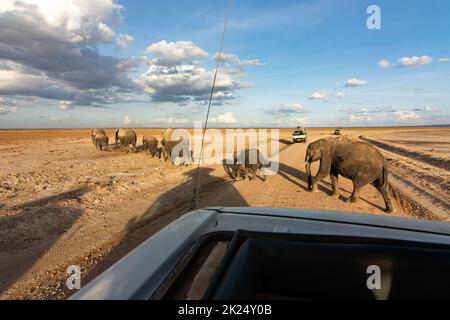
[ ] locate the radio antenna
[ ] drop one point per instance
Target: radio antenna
(193, 202)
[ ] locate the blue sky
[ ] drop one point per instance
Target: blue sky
(287, 63)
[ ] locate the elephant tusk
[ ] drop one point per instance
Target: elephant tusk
(304, 165)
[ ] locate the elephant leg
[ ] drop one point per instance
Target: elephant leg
(324, 170)
(354, 198)
(245, 172)
(315, 182)
(389, 206)
(334, 177)
(263, 177)
(237, 172)
(254, 169)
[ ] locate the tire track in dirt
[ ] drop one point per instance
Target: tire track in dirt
(418, 182)
(434, 161)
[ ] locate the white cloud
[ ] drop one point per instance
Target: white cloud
(184, 80)
(406, 115)
(176, 52)
(7, 106)
(173, 76)
(231, 58)
(340, 95)
(74, 20)
(288, 109)
(444, 60)
(127, 120)
(6, 110)
(123, 41)
(359, 117)
(65, 105)
(225, 118)
(355, 83)
(415, 61)
(386, 116)
(53, 47)
(385, 64)
(170, 120)
(426, 109)
(318, 96)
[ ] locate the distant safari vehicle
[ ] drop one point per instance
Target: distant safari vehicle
(299, 135)
(338, 132)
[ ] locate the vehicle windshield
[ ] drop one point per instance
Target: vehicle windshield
(117, 117)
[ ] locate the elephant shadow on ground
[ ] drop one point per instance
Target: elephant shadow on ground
(180, 198)
(168, 207)
(32, 230)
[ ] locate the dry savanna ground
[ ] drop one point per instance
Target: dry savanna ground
(64, 203)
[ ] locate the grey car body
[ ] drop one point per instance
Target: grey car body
(139, 274)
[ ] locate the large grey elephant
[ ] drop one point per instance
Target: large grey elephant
(355, 160)
(95, 132)
(126, 137)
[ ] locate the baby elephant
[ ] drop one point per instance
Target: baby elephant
(101, 142)
(248, 160)
(151, 146)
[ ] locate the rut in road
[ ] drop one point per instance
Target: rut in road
(423, 183)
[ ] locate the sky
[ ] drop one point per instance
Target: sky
(285, 63)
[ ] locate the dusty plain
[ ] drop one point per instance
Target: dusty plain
(64, 203)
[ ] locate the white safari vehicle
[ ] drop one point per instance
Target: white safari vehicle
(256, 253)
(299, 135)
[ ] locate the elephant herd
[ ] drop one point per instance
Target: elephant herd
(358, 161)
(124, 138)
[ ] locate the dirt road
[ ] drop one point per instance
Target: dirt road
(62, 203)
